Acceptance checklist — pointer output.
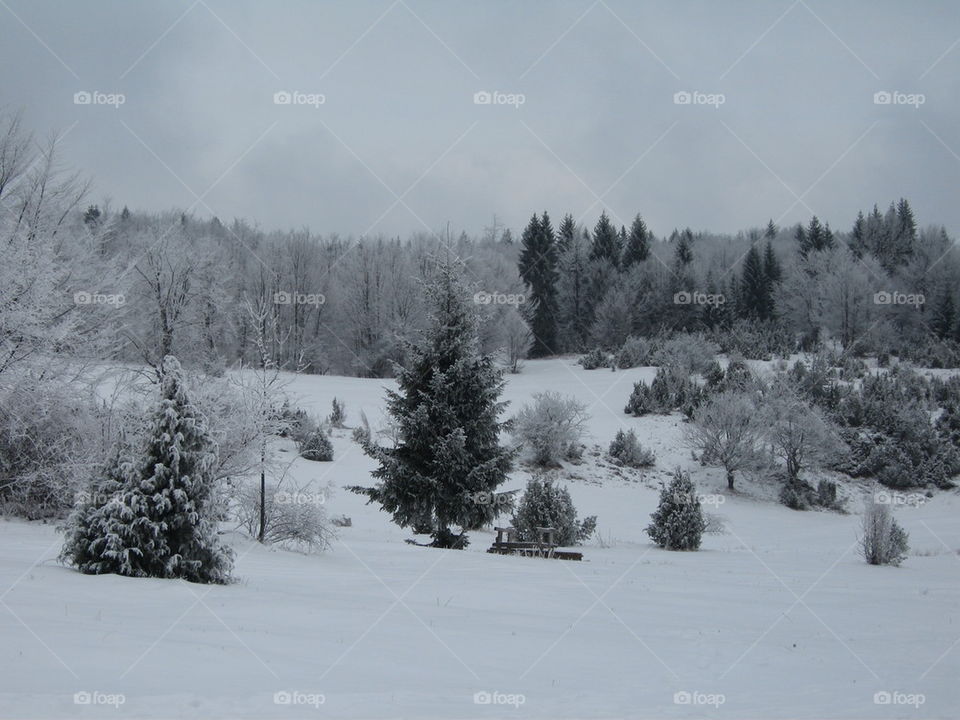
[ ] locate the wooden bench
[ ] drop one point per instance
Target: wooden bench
(544, 546)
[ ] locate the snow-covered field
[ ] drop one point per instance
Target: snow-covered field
(777, 617)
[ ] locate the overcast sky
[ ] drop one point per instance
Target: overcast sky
(785, 125)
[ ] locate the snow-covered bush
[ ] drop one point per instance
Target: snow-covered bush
(687, 353)
(338, 414)
(678, 522)
(295, 423)
(546, 504)
(670, 390)
(51, 443)
(295, 518)
(627, 450)
(635, 352)
(151, 514)
(317, 446)
(361, 433)
(596, 358)
(884, 542)
(552, 428)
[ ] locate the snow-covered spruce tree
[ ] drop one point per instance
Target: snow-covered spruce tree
(157, 522)
(317, 446)
(546, 504)
(446, 411)
(678, 522)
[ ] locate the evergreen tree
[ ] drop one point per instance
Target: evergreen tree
(573, 295)
(944, 315)
(158, 521)
(637, 246)
(606, 241)
(803, 244)
(771, 232)
(678, 522)
(565, 233)
(683, 255)
(538, 269)
(446, 410)
(754, 286)
(773, 273)
(905, 235)
(507, 237)
(858, 236)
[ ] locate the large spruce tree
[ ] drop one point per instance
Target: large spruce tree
(538, 269)
(637, 247)
(606, 241)
(447, 461)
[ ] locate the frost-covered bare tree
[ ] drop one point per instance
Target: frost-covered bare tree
(728, 431)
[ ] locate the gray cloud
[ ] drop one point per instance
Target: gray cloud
(798, 80)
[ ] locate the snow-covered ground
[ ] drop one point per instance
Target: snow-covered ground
(777, 617)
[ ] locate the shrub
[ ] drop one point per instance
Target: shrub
(317, 447)
(827, 494)
(678, 522)
(295, 422)
(552, 428)
(687, 353)
(338, 414)
(295, 519)
(546, 504)
(670, 390)
(596, 358)
(627, 450)
(361, 434)
(884, 542)
(635, 352)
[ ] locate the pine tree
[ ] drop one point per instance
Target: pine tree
(858, 236)
(573, 295)
(158, 521)
(606, 241)
(905, 236)
(803, 244)
(678, 522)
(944, 316)
(637, 246)
(683, 255)
(754, 287)
(446, 410)
(773, 273)
(565, 233)
(538, 269)
(771, 232)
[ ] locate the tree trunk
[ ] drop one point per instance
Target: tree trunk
(263, 496)
(730, 479)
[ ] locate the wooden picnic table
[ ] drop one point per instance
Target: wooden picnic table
(544, 546)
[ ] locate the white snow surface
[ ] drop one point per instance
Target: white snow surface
(777, 617)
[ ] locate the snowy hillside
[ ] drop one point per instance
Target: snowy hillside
(776, 617)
